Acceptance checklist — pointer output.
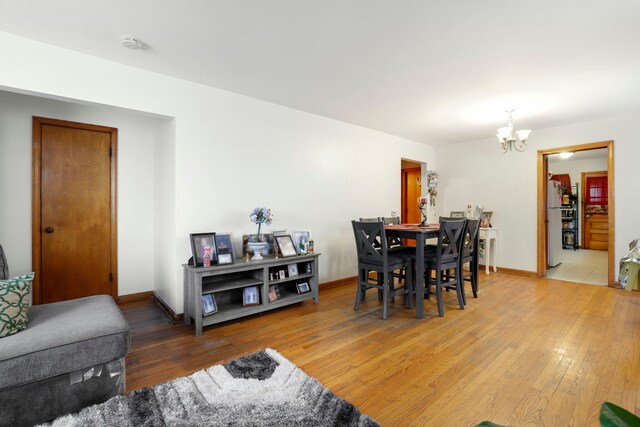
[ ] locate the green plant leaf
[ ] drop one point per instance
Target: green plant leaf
(614, 416)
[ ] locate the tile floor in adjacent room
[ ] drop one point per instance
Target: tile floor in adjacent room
(582, 265)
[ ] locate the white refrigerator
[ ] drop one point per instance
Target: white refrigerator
(554, 223)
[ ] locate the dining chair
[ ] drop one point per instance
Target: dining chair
(470, 255)
(444, 260)
(382, 261)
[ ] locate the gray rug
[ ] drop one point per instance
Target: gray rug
(262, 389)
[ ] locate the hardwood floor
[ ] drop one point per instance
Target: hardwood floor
(527, 352)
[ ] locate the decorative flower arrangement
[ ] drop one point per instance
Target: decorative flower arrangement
(261, 216)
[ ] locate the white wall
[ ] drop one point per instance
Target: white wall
(575, 168)
(477, 172)
(233, 153)
(137, 139)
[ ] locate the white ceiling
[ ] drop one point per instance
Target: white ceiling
(432, 71)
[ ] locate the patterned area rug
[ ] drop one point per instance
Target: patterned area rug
(262, 389)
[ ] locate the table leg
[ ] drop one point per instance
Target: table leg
(487, 255)
(420, 276)
(495, 255)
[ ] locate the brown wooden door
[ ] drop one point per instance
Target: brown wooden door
(596, 232)
(411, 189)
(74, 226)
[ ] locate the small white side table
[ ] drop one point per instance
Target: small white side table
(489, 234)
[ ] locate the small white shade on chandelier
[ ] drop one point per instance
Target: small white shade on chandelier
(523, 134)
(566, 154)
(504, 133)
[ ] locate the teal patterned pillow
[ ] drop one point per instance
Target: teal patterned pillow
(14, 303)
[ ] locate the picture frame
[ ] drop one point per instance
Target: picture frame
(282, 274)
(224, 248)
(250, 296)
(209, 305)
(199, 243)
(268, 251)
(274, 293)
(301, 240)
(293, 270)
(303, 287)
(456, 214)
(485, 219)
(286, 246)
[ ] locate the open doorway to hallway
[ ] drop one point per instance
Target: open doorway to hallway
(575, 215)
(411, 176)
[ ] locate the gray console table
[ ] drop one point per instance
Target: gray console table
(227, 283)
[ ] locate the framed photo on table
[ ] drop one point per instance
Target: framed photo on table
(456, 214)
(293, 270)
(301, 240)
(274, 293)
(250, 296)
(201, 244)
(224, 248)
(303, 287)
(286, 246)
(209, 305)
(485, 219)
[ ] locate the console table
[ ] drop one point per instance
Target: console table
(227, 284)
(489, 234)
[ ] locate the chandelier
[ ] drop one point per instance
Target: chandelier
(510, 138)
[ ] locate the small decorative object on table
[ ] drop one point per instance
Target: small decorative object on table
(422, 201)
(259, 216)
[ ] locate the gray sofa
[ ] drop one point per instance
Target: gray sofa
(70, 356)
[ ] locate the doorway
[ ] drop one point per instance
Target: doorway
(74, 234)
(565, 256)
(411, 175)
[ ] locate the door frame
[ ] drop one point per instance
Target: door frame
(404, 206)
(583, 180)
(542, 204)
(36, 226)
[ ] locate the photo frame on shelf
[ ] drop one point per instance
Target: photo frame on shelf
(268, 250)
(286, 246)
(293, 269)
(224, 248)
(209, 305)
(456, 214)
(303, 287)
(250, 296)
(485, 219)
(202, 243)
(301, 240)
(274, 293)
(282, 274)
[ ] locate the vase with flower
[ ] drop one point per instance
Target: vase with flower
(256, 242)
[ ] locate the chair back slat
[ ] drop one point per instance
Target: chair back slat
(370, 241)
(450, 240)
(470, 237)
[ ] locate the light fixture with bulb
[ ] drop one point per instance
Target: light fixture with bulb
(566, 154)
(510, 138)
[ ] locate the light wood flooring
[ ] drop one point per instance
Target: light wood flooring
(538, 352)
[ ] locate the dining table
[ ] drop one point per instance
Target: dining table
(420, 233)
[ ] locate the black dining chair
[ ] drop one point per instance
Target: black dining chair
(470, 255)
(368, 236)
(444, 260)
